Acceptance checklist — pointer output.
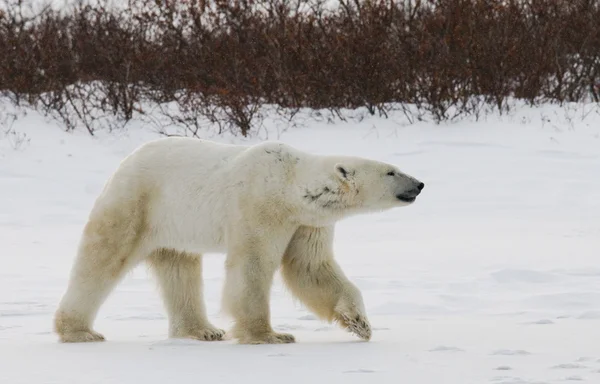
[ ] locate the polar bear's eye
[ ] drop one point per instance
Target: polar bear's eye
(391, 173)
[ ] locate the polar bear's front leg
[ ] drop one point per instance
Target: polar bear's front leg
(313, 276)
(250, 268)
(179, 275)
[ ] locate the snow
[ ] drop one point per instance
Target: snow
(492, 276)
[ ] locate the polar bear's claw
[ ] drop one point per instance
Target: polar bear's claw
(269, 338)
(284, 338)
(81, 337)
(357, 325)
(207, 334)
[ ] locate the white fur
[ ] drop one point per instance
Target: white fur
(268, 206)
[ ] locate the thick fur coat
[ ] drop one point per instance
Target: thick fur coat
(268, 207)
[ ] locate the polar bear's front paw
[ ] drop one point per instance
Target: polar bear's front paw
(268, 338)
(81, 337)
(356, 324)
(204, 334)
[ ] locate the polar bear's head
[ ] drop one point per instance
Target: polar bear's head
(376, 185)
(357, 185)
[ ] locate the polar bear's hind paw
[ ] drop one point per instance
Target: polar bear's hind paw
(81, 337)
(269, 338)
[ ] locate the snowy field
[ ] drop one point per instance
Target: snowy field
(492, 276)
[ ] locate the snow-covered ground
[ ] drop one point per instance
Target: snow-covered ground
(493, 276)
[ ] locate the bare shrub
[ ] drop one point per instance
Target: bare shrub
(220, 62)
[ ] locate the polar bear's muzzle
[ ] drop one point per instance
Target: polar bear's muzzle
(410, 195)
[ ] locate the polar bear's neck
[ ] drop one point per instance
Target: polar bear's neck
(325, 197)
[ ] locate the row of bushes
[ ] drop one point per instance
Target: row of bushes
(220, 61)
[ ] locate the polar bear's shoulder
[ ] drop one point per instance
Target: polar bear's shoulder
(275, 151)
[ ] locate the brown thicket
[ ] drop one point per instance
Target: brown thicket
(220, 61)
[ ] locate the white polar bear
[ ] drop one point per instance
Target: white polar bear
(267, 206)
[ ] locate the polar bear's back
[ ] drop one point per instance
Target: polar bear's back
(173, 161)
(179, 180)
(192, 190)
(179, 152)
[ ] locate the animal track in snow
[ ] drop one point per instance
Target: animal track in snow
(149, 316)
(288, 327)
(569, 366)
(460, 144)
(4, 327)
(360, 370)
(589, 315)
(510, 275)
(540, 322)
(381, 329)
(443, 348)
(574, 378)
(12, 313)
(324, 329)
(515, 380)
(510, 352)
(556, 154)
(409, 153)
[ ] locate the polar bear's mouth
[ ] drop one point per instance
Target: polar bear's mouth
(406, 199)
(410, 195)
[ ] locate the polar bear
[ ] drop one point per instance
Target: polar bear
(268, 207)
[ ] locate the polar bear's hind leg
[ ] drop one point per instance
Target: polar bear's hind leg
(110, 246)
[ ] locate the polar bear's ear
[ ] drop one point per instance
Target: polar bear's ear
(343, 172)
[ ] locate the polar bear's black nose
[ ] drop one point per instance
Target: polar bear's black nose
(416, 190)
